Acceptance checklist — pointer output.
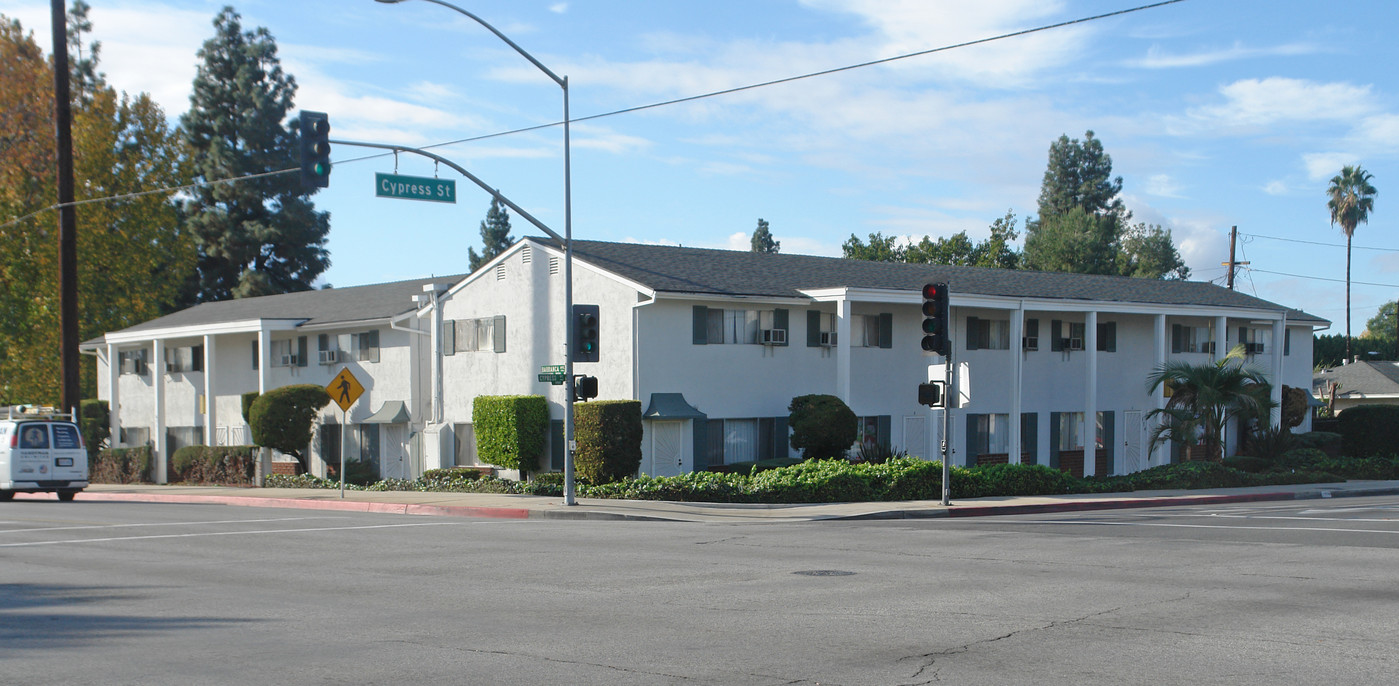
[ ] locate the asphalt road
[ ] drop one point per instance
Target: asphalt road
(127, 593)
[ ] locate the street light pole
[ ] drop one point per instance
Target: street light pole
(568, 493)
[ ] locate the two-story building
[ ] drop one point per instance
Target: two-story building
(715, 344)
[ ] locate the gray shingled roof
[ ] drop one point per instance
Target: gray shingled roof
(729, 272)
(355, 303)
(1368, 378)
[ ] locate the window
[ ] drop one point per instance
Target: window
(990, 434)
(34, 436)
(1070, 431)
(1066, 335)
(186, 359)
(1255, 341)
(135, 435)
(713, 326)
(1192, 339)
(1107, 337)
(867, 330)
(133, 361)
(484, 334)
(465, 452)
(988, 334)
(873, 431)
(744, 440)
(367, 346)
(820, 329)
(282, 353)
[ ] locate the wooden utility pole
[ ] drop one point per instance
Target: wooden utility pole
(67, 219)
(1232, 264)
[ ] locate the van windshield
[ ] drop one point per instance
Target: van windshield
(34, 436)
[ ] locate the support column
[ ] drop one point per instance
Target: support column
(264, 344)
(157, 370)
(1090, 408)
(114, 392)
(210, 428)
(1159, 397)
(843, 349)
(1221, 337)
(1017, 369)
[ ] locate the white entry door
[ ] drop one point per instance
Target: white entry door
(1132, 441)
(668, 449)
(916, 437)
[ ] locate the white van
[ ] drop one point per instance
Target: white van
(41, 452)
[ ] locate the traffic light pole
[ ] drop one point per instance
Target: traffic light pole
(947, 394)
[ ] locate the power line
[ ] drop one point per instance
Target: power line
(638, 108)
(1322, 278)
(1331, 245)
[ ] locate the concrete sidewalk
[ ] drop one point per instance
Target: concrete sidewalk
(542, 507)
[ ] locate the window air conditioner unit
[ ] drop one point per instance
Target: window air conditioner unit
(288, 361)
(774, 336)
(329, 356)
(1030, 342)
(828, 339)
(1254, 349)
(1075, 344)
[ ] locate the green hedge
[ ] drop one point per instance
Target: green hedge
(95, 418)
(609, 440)
(510, 430)
(284, 418)
(823, 426)
(224, 464)
(121, 466)
(1370, 430)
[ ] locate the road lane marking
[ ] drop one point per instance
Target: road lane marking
(119, 526)
(228, 533)
(1207, 526)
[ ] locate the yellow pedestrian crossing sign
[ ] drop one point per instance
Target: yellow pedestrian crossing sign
(345, 389)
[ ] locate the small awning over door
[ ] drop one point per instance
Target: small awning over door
(671, 406)
(393, 412)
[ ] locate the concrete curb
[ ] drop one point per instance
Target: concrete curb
(302, 504)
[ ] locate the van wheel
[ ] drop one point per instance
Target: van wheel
(6, 495)
(66, 496)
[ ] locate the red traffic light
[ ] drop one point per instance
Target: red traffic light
(931, 291)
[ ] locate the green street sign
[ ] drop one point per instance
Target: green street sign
(415, 188)
(551, 369)
(555, 379)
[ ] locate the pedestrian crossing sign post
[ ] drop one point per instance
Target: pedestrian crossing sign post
(344, 389)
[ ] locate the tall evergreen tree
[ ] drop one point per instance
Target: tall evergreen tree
(495, 235)
(1082, 225)
(256, 236)
(762, 239)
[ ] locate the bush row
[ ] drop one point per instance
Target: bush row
(820, 481)
(223, 464)
(121, 466)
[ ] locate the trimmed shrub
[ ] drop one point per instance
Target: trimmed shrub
(752, 467)
(1248, 463)
(823, 426)
(96, 422)
(283, 419)
(248, 399)
(510, 429)
(1370, 430)
(1326, 441)
(183, 460)
(609, 440)
(121, 466)
(446, 473)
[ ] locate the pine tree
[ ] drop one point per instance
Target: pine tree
(495, 235)
(256, 236)
(762, 239)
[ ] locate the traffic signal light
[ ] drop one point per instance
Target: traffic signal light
(585, 333)
(930, 393)
(584, 387)
(315, 149)
(935, 319)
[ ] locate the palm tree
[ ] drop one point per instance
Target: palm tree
(1352, 196)
(1204, 397)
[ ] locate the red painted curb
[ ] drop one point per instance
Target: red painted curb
(1089, 505)
(302, 504)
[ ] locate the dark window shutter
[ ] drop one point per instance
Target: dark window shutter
(765, 440)
(498, 329)
(1029, 437)
(882, 428)
(813, 328)
(700, 332)
(1054, 440)
(301, 351)
(1110, 439)
(1287, 341)
(780, 319)
(1032, 328)
(973, 325)
(716, 442)
(323, 342)
(782, 439)
(701, 440)
(1056, 337)
(255, 355)
(449, 337)
(1107, 337)
(975, 441)
(886, 330)
(1243, 338)
(1176, 336)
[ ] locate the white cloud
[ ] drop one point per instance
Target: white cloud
(1158, 59)
(1275, 187)
(739, 241)
(601, 138)
(558, 7)
(1324, 165)
(1162, 185)
(1252, 104)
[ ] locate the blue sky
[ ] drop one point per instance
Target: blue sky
(1215, 114)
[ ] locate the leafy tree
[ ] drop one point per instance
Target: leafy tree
(823, 426)
(1351, 198)
(1330, 351)
(1083, 225)
(879, 249)
(762, 239)
(1381, 327)
(1204, 397)
(132, 253)
(495, 235)
(261, 235)
(995, 251)
(284, 418)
